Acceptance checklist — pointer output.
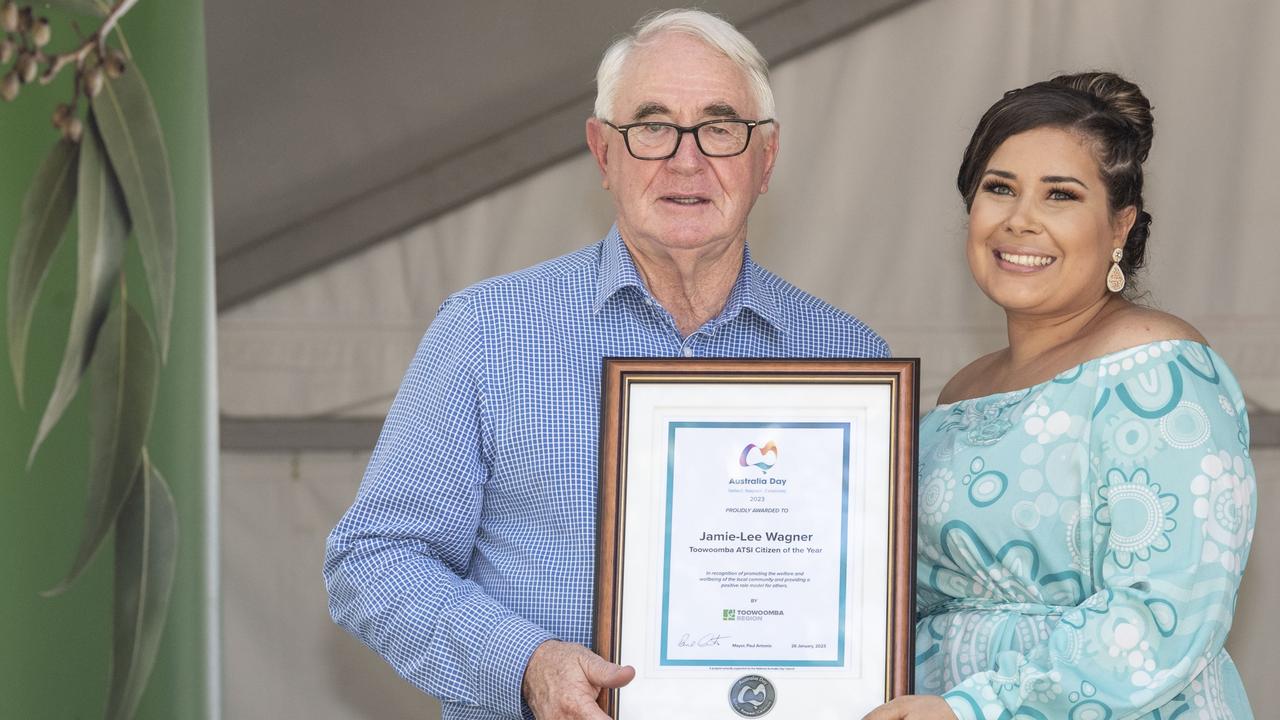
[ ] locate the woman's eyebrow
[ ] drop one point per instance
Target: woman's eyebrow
(1063, 179)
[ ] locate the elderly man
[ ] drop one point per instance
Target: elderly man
(467, 558)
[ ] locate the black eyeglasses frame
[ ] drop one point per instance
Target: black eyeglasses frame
(681, 130)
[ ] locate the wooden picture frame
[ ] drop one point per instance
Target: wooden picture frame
(783, 490)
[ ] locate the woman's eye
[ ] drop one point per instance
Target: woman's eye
(1059, 194)
(997, 188)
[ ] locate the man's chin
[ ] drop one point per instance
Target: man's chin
(693, 235)
(694, 241)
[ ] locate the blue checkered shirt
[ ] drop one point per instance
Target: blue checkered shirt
(472, 538)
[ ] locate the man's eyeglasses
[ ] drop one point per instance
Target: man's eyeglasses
(660, 140)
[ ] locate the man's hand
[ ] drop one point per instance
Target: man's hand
(913, 707)
(563, 680)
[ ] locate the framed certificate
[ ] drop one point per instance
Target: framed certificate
(757, 536)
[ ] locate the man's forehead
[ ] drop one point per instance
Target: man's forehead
(680, 69)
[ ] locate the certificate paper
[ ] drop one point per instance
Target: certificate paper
(756, 533)
(756, 526)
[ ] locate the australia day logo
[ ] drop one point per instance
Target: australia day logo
(752, 696)
(761, 456)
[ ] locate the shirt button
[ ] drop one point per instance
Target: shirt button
(688, 351)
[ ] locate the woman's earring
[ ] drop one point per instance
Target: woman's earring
(1115, 278)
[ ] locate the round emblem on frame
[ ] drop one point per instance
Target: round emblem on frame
(752, 696)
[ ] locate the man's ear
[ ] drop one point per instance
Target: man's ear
(598, 142)
(773, 137)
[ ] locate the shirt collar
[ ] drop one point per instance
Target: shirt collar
(750, 292)
(617, 270)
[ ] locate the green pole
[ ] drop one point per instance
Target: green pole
(55, 653)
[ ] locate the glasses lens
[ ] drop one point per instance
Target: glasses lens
(725, 137)
(652, 140)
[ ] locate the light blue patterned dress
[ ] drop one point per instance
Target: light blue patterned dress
(1081, 542)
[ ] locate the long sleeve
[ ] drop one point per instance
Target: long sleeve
(395, 563)
(1171, 490)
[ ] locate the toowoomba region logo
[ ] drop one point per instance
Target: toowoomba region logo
(752, 696)
(761, 456)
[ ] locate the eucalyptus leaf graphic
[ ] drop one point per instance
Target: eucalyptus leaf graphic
(103, 230)
(124, 376)
(130, 128)
(113, 166)
(45, 212)
(146, 558)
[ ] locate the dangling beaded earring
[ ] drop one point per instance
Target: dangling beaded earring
(1115, 278)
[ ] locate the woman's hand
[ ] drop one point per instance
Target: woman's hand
(913, 707)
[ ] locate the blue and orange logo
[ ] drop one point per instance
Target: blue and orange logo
(762, 456)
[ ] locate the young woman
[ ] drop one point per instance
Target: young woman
(1086, 498)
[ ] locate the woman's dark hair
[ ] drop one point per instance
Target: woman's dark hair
(1105, 108)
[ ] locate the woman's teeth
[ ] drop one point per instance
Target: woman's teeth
(1025, 260)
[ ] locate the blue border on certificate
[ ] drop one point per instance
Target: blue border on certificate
(672, 426)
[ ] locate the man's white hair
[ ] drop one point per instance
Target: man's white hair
(708, 28)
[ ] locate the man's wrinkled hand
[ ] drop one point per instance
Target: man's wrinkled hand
(913, 707)
(563, 680)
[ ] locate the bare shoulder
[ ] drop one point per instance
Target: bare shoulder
(1136, 325)
(968, 382)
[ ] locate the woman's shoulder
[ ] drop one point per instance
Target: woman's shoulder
(1135, 325)
(1154, 366)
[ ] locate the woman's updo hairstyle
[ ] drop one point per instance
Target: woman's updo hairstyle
(1105, 108)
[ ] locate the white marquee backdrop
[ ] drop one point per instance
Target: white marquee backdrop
(862, 211)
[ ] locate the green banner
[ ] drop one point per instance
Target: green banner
(56, 654)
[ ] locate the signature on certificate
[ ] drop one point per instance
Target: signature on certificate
(708, 640)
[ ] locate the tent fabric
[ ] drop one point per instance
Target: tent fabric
(283, 657)
(862, 211)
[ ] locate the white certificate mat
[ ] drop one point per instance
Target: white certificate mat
(754, 570)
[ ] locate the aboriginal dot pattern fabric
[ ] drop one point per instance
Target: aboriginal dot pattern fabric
(1081, 542)
(472, 539)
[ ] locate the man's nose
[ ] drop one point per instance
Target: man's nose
(688, 156)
